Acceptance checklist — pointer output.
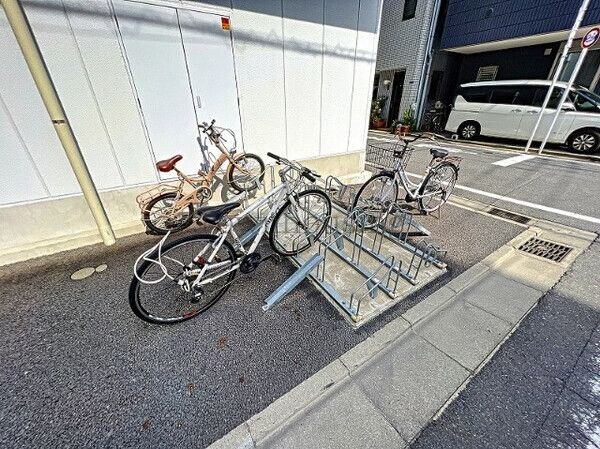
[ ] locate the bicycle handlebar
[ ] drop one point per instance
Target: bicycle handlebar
(304, 171)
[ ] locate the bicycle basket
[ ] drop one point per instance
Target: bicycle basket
(387, 155)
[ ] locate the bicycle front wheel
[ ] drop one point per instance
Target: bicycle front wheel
(300, 222)
(166, 294)
(247, 173)
(437, 187)
(373, 200)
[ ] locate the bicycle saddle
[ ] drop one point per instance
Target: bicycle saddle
(214, 214)
(168, 164)
(438, 153)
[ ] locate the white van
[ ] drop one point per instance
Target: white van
(510, 109)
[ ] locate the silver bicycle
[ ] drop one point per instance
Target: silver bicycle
(376, 195)
(177, 281)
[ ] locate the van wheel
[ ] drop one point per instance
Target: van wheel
(469, 130)
(584, 141)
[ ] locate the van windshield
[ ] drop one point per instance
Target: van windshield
(585, 101)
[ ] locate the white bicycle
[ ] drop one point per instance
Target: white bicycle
(177, 281)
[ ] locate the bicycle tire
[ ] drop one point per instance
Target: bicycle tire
(431, 174)
(272, 237)
(134, 288)
(362, 189)
(230, 178)
(151, 226)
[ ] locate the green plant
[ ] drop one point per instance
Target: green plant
(377, 108)
(408, 117)
(395, 124)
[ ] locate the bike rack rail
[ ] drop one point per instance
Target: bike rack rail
(363, 271)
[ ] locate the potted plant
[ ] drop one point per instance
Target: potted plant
(394, 127)
(408, 120)
(376, 108)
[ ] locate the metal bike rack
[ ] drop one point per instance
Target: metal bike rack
(362, 271)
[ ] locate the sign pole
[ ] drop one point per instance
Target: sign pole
(590, 38)
(559, 68)
(563, 98)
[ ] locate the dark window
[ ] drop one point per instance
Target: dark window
(585, 101)
(540, 94)
(375, 86)
(478, 94)
(410, 7)
(525, 95)
(504, 95)
(434, 86)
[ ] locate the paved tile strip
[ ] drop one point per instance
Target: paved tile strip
(385, 390)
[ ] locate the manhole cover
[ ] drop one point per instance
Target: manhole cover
(83, 273)
(543, 248)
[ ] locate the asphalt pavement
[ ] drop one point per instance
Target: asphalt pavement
(80, 370)
(568, 186)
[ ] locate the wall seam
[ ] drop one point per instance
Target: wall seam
(134, 90)
(285, 110)
(94, 96)
(353, 78)
(321, 87)
(24, 146)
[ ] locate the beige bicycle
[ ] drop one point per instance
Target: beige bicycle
(168, 207)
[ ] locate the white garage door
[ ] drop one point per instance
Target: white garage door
(182, 67)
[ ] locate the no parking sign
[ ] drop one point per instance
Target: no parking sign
(590, 38)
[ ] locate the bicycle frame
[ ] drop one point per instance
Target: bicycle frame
(205, 179)
(279, 194)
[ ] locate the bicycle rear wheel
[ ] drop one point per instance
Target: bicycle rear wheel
(298, 224)
(438, 187)
(374, 198)
(161, 299)
(160, 215)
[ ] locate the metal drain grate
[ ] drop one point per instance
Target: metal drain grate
(543, 248)
(508, 215)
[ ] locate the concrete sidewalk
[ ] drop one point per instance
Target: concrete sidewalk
(384, 391)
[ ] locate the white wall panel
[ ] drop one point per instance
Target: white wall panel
(210, 63)
(338, 74)
(22, 99)
(23, 183)
(51, 27)
(303, 41)
(258, 50)
(363, 73)
(153, 45)
(94, 29)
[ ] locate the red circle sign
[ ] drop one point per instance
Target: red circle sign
(590, 38)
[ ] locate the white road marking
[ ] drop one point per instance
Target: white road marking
(513, 160)
(488, 149)
(552, 210)
(450, 149)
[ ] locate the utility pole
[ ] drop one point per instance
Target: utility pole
(31, 52)
(582, 10)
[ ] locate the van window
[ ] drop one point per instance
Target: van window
(554, 98)
(585, 101)
(504, 95)
(476, 94)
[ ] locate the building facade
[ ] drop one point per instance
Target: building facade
(403, 56)
(517, 39)
(137, 77)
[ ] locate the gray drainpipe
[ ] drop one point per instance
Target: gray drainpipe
(425, 71)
